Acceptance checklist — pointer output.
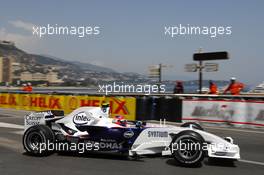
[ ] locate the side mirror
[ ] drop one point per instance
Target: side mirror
(140, 124)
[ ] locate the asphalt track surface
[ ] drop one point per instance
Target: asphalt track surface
(14, 161)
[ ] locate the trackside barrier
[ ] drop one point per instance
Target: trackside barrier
(244, 110)
(125, 106)
(237, 111)
(159, 107)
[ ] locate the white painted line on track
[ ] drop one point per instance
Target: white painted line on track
(18, 132)
(10, 125)
(10, 115)
(237, 130)
(12, 144)
(252, 162)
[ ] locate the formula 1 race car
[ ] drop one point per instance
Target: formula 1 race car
(93, 129)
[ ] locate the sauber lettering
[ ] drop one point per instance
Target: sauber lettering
(158, 134)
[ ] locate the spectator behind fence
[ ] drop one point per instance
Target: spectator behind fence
(27, 87)
(24, 87)
(178, 89)
(234, 87)
(212, 87)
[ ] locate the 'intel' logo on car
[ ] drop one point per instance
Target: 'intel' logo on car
(81, 119)
(128, 134)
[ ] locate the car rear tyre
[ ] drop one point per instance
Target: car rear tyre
(187, 148)
(36, 140)
(194, 125)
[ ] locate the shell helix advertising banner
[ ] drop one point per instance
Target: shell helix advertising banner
(238, 112)
(125, 106)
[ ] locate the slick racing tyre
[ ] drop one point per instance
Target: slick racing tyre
(36, 140)
(187, 148)
(194, 125)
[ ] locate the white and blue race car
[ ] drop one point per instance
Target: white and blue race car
(93, 129)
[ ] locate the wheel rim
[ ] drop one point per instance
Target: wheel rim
(190, 148)
(34, 140)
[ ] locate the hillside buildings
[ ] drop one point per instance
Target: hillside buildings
(8, 67)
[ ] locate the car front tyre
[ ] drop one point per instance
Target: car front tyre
(187, 148)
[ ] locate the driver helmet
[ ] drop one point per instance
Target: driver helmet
(120, 120)
(105, 107)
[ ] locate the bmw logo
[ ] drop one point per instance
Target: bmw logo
(128, 134)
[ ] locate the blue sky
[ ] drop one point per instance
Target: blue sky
(132, 34)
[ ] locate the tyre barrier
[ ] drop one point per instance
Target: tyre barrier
(159, 108)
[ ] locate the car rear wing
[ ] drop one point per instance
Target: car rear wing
(41, 118)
